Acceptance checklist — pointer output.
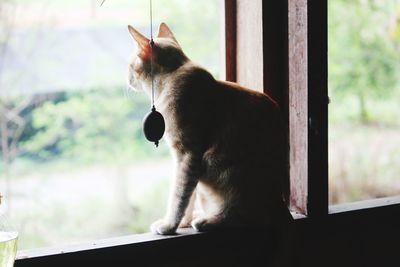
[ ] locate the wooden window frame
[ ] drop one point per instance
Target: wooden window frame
(280, 27)
(290, 66)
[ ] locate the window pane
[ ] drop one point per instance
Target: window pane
(364, 87)
(75, 165)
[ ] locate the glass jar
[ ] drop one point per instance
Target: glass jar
(8, 239)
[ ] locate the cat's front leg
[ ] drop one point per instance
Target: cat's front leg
(188, 171)
(189, 213)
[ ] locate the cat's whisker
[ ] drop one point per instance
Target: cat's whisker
(124, 91)
(128, 94)
(129, 90)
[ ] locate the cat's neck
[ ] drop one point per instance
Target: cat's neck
(159, 85)
(167, 86)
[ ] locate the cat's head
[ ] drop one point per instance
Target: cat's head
(167, 57)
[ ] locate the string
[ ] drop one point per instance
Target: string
(151, 49)
(151, 20)
(151, 61)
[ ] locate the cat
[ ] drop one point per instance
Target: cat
(228, 142)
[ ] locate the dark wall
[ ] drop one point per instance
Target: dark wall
(360, 238)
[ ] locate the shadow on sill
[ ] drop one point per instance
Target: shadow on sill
(228, 247)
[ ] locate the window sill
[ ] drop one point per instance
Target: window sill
(380, 209)
(101, 244)
(154, 250)
(234, 245)
(365, 204)
(129, 240)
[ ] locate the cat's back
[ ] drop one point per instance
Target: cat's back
(195, 89)
(245, 99)
(190, 102)
(251, 114)
(220, 113)
(247, 127)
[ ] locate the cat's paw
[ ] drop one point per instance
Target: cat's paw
(185, 223)
(204, 224)
(160, 227)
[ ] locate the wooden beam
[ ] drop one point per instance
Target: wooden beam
(317, 108)
(230, 40)
(249, 44)
(275, 51)
(298, 112)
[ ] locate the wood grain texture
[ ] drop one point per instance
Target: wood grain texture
(298, 109)
(249, 50)
(230, 40)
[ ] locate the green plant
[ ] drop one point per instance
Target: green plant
(363, 58)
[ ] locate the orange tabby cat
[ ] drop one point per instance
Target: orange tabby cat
(228, 142)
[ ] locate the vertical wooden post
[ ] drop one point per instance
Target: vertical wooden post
(298, 112)
(317, 108)
(275, 61)
(249, 40)
(280, 48)
(230, 40)
(275, 51)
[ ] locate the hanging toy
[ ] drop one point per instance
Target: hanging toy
(153, 126)
(153, 123)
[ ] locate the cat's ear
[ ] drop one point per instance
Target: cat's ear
(144, 49)
(164, 31)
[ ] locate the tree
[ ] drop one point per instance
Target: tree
(363, 60)
(99, 124)
(11, 123)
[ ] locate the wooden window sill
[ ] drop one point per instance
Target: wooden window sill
(101, 244)
(365, 204)
(233, 245)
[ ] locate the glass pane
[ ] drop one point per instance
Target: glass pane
(75, 165)
(364, 87)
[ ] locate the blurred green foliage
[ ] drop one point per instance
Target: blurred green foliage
(364, 86)
(364, 51)
(95, 125)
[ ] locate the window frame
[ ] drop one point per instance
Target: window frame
(308, 23)
(317, 78)
(277, 40)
